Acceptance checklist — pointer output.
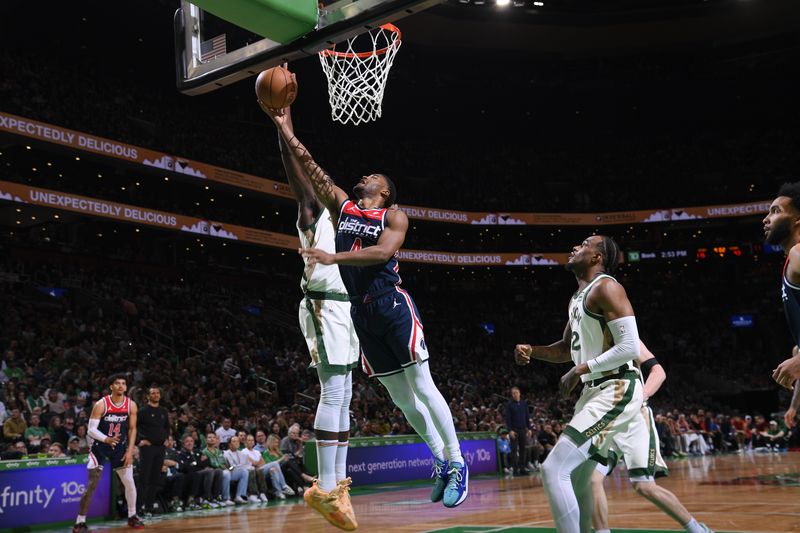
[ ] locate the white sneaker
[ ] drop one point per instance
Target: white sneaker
(253, 499)
(263, 497)
(287, 490)
(227, 503)
(281, 496)
(239, 500)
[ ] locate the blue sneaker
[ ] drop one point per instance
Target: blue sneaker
(440, 479)
(457, 485)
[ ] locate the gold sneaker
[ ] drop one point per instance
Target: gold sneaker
(334, 506)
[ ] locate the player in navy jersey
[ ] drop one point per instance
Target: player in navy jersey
(782, 227)
(112, 430)
(387, 322)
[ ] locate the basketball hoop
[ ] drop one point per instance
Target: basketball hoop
(357, 79)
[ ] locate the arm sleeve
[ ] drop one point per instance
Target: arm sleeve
(626, 346)
(95, 433)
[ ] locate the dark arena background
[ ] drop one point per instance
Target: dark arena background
(152, 232)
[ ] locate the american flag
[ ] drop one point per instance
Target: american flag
(213, 47)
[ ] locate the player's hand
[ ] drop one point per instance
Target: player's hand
(278, 116)
(787, 372)
(144, 442)
(522, 354)
(315, 255)
(789, 417)
(128, 459)
(112, 441)
(568, 382)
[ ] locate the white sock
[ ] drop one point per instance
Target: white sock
(602, 531)
(415, 411)
(694, 526)
(557, 480)
(341, 461)
(326, 464)
(81, 519)
(420, 380)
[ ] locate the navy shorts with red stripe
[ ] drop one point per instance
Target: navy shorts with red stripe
(390, 332)
(101, 452)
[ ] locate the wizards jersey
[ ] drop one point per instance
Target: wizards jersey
(360, 228)
(790, 294)
(114, 421)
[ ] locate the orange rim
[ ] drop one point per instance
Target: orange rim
(363, 55)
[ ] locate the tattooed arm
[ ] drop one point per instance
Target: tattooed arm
(327, 192)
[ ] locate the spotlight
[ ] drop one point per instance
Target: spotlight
(503, 3)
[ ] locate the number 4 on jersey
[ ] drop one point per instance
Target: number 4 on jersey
(356, 245)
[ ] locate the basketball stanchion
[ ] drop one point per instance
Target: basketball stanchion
(357, 74)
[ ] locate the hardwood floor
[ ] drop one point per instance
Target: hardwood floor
(731, 493)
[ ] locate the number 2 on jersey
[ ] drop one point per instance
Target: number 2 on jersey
(576, 340)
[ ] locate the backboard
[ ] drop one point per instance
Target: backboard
(211, 53)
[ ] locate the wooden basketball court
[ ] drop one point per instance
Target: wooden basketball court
(733, 493)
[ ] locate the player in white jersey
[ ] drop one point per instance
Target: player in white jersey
(333, 345)
(602, 339)
(661, 497)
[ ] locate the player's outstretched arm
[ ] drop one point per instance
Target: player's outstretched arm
(389, 242)
(558, 352)
(657, 375)
(308, 205)
(325, 189)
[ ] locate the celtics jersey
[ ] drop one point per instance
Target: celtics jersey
(318, 277)
(590, 334)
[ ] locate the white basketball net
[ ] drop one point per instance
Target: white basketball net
(357, 79)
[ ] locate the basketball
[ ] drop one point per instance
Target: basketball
(276, 88)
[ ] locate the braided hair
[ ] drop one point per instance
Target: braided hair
(609, 249)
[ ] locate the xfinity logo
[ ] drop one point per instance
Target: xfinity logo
(359, 228)
(16, 498)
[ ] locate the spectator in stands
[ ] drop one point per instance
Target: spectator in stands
(20, 447)
(292, 472)
(239, 460)
(34, 433)
(222, 475)
(14, 427)
(773, 439)
(199, 478)
(55, 401)
(35, 399)
(57, 431)
(292, 444)
(261, 441)
(534, 449)
(504, 449)
(272, 468)
(83, 441)
(55, 450)
(74, 446)
(225, 432)
(258, 484)
(547, 438)
(174, 479)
